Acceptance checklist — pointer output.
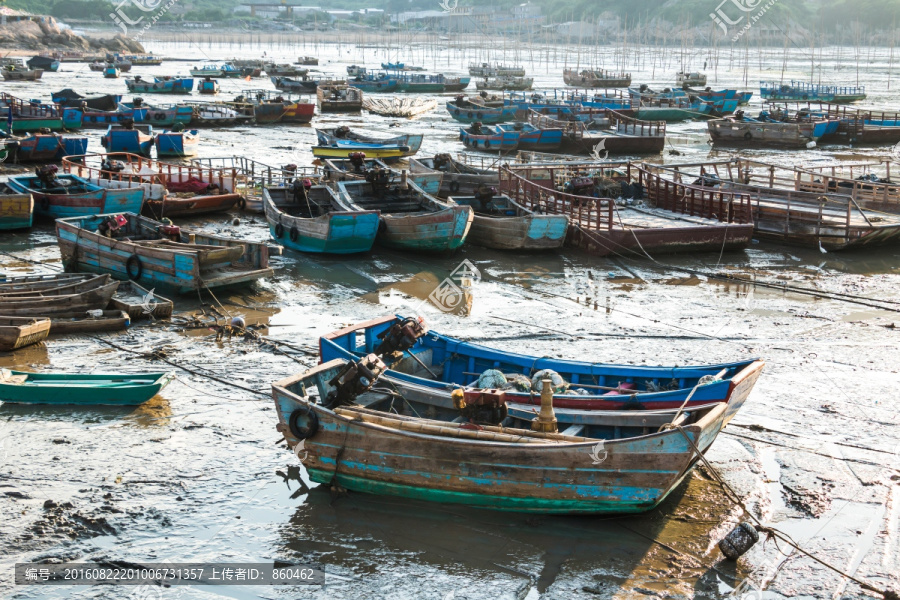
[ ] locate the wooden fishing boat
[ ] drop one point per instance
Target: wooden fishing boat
(357, 168)
(327, 137)
(412, 219)
(91, 294)
(584, 385)
(458, 178)
(177, 144)
(144, 60)
(489, 138)
(28, 116)
(159, 116)
(613, 133)
(512, 469)
(16, 208)
(170, 190)
(830, 221)
(869, 184)
(504, 83)
(855, 125)
(208, 86)
(216, 70)
(502, 224)
(129, 138)
(596, 78)
(51, 287)
(278, 107)
(210, 114)
(309, 61)
(89, 322)
(165, 84)
(58, 196)
(771, 129)
(315, 219)
(44, 63)
(802, 91)
(496, 70)
(155, 254)
(704, 222)
(100, 119)
(10, 73)
(421, 83)
(530, 137)
(40, 281)
(303, 85)
(470, 111)
(344, 148)
(111, 72)
(45, 147)
(695, 78)
(72, 99)
(382, 83)
(283, 70)
(18, 332)
(83, 389)
(338, 97)
(140, 303)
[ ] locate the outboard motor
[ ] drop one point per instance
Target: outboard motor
(481, 407)
(47, 175)
(354, 379)
(401, 336)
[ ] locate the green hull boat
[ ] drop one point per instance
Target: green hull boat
(80, 389)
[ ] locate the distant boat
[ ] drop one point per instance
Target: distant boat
(339, 97)
(177, 144)
(11, 73)
(46, 147)
(208, 86)
(497, 70)
(308, 60)
(160, 85)
(111, 72)
(44, 63)
(469, 111)
(136, 139)
(505, 83)
(683, 79)
(59, 196)
(489, 138)
(330, 136)
(502, 224)
(295, 85)
(798, 90)
(596, 78)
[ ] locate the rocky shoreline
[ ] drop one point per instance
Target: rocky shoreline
(21, 36)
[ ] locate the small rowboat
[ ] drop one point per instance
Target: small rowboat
(338, 97)
(114, 389)
(10, 73)
(467, 111)
(16, 209)
(366, 447)
(302, 86)
(318, 221)
(70, 196)
(344, 148)
(502, 224)
(412, 219)
(94, 294)
(89, 322)
(606, 386)
(134, 139)
(493, 140)
(178, 144)
(160, 85)
(18, 332)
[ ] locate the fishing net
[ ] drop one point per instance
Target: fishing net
(559, 384)
(491, 379)
(518, 382)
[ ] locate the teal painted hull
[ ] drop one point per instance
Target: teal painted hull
(8, 223)
(347, 234)
(84, 389)
(443, 231)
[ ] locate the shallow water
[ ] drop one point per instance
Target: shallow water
(197, 474)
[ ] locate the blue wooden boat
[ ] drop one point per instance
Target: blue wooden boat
(136, 139)
(389, 66)
(208, 85)
(778, 128)
(374, 83)
(502, 224)
(46, 147)
(801, 91)
(102, 119)
(165, 84)
(411, 219)
(111, 72)
(488, 138)
(591, 386)
(128, 246)
(531, 138)
(327, 137)
(16, 208)
(465, 111)
(59, 196)
(178, 144)
(364, 445)
(69, 98)
(81, 389)
(44, 63)
(315, 219)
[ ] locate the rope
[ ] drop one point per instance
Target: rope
(771, 532)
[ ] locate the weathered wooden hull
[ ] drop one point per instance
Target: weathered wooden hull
(46, 148)
(484, 115)
(57, 206)
(298, 112)
(605, 242)
(16, 211)
(19, 332)
(383, 152)
(173, 207)
(32, 75)
(504, 141)
(140, 303)
(171, 86)
(177, 144)
(28, 124)
(78, 323)
(333, 233)
(634, 475)
(83, 249)
(441, 231)
(532, 232)
(754, 134)
(49, 306)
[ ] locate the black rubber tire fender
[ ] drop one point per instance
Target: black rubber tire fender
(134, 259)
(309, 417)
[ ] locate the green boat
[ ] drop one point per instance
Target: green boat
(82, 389)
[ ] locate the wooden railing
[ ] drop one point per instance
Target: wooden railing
(695, 200)
(147, 170)
(539, 195)
(632, 126)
